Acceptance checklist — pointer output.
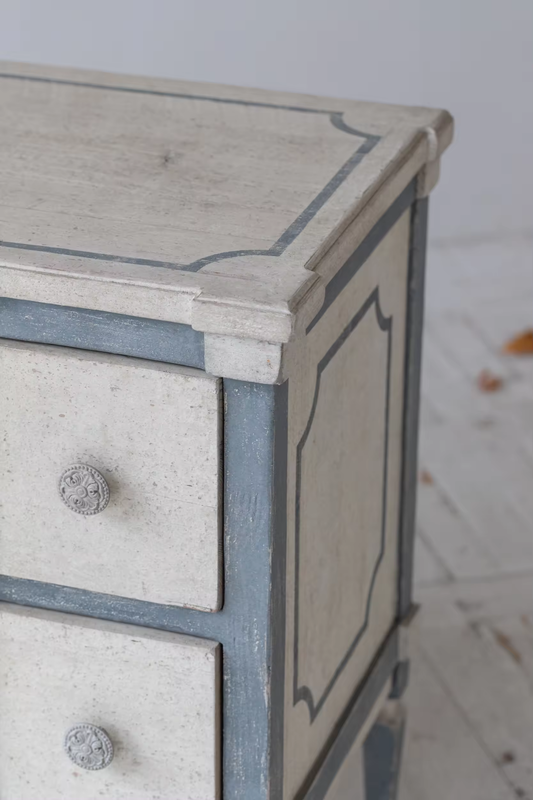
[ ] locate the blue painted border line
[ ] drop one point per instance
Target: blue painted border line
(160, 93)
(69, 600)
(354, 263)
(286, 238)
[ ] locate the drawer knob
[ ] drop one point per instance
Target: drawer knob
(88, 746)
(83, 489)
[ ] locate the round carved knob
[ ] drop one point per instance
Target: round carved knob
(83, 489)
(89, 746)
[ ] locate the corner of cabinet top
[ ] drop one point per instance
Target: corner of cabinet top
(224, 208)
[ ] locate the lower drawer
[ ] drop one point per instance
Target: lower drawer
(77, 693)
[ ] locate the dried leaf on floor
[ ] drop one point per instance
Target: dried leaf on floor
(520, 345)
(505, 642)
(487, 381)
(426, 477)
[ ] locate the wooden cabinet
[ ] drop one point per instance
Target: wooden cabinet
(210, 320)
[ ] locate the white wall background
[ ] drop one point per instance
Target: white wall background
(474, 57)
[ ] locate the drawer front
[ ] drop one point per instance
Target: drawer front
(154, 694)
(152, 433)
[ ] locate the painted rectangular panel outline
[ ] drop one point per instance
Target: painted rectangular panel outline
(287, 237)
(303, 692)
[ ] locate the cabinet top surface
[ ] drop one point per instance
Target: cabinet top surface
(228, 193)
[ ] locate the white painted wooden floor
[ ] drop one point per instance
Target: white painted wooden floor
(470, 702)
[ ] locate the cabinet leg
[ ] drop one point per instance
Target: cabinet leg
(382, 753)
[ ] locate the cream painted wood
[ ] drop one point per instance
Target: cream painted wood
(257, 165)
(243, 359)
(340, 530)
(349, 783)
(153, 431)
(341, 494)
(156, 695)
(143, 175)
(428, 178)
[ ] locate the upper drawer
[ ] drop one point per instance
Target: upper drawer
(137, 710)
(152, 431)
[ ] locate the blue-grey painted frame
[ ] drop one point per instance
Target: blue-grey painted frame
(352, 720)
(286, 238)
(251, 624)
(411, 404)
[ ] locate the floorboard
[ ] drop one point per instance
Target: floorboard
(470, 702)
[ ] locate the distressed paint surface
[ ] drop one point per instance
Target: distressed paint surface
(205, 205)
(253, 404)
(253, 178)
(98, 330)
(251, 623)
(153, 431)
(59, 670)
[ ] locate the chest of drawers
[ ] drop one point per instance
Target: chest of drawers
(210, 334)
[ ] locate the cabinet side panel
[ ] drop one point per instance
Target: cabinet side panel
(346, 394)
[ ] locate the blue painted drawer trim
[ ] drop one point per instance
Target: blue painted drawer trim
(100, 330)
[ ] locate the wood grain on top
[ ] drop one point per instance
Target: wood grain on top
(236, 193)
